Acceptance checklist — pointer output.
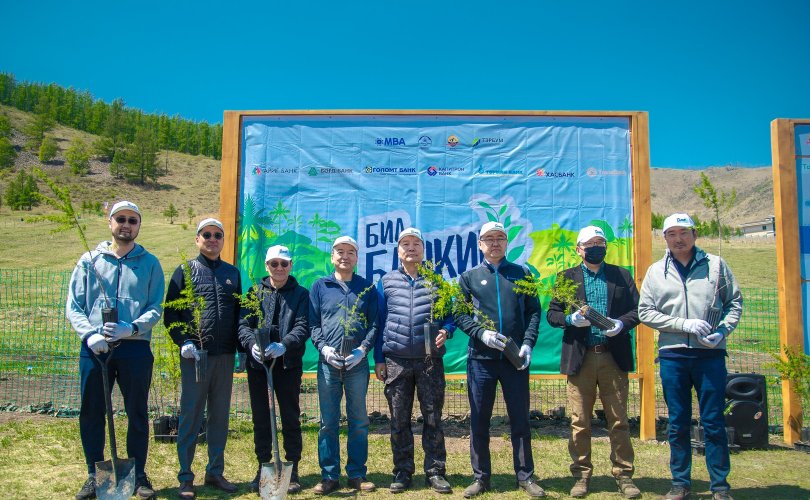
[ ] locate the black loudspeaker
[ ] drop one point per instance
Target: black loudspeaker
(747, 409)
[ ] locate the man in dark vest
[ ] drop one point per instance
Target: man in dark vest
(216, 282)
(598, 360)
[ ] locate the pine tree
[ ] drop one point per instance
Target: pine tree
(141, 158)
(190, 213)
(41, 124)
(22, 192)
(5, 126)
(7, 153)
(48, 149)
(78, 158)
(171, 213)
(118, 166)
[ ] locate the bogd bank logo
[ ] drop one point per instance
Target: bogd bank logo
(391, 141)
(452, 141)
(432, 170)
(312, 171)
(425, 142)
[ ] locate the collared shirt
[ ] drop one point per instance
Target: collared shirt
(595, 285)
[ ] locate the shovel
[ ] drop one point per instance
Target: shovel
(276, 475)
(115, 479)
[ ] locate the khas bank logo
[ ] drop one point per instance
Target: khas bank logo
(388, 142)
(549, 174)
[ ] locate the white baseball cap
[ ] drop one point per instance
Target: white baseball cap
(209, 222)
(678, 220)
(347, 240)
(410, 231)
(588, 232)
(491, 226)
(124, 205)
(278, 252)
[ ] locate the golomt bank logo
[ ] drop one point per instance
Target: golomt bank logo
(452, 141)
(425, 142)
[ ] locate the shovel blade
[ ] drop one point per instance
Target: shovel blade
(273, 483)
(115, 483)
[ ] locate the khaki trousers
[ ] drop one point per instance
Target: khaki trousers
(599, 371)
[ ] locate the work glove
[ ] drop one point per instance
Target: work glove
(578, 319)
(97, 343)
(699, 327)
(616, 329)
(332, 357)
(189, 351)
(526, 354)
(256, 352)
(711, 340)
(493, 339)
(117, 331)
(274, 350)
(354, 359)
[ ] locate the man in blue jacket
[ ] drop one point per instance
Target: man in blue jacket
(119, 274)
(217, 282)
(343, 305)
(403, 363)
(490, 285)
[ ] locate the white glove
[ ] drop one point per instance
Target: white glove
(354, 359)
(256, 352)
(332, 357)
(117, 331)
(189, 351)
(616, 329)
(711, 340)
(526, 354)
(274, 350)
(577, 319)
(493, 339)
(97, 343)
(699, 327)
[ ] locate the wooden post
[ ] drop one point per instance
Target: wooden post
(229, 181)
(788, 263)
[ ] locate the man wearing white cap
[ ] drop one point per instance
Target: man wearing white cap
(406, 368)
(285, 306)
(491, 286)
(217, 282)
(122, 276)
(693, 300)
(598, 359)
(332, 298)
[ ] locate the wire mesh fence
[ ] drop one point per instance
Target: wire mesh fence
(39, 358)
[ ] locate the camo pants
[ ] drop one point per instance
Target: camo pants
(426, 379)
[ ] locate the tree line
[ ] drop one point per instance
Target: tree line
(114, 121)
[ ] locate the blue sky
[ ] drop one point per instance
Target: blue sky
(712, 74)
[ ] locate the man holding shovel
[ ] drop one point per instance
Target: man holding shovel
(216, 282)
(119, 275)
(343, 307)
(285, 308)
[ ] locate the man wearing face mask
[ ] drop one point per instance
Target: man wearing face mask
(598, 359)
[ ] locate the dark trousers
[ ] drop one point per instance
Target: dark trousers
(404, 377)
(287, 385)
(134, 376)
(482, 379)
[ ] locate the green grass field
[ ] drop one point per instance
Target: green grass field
(42, 458)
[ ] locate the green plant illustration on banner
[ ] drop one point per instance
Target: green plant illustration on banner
(494, 215)
(325, 230)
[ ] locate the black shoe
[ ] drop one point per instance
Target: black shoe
(295, 483)
(532, 487)
(254, 485)
(401, 482)
(88, 489)
(326, 486)
(438, 483)
(477, 487)
(219, 482)
(678, 493)
(143, 487)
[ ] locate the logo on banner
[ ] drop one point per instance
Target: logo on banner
(486, 140)
(432, 171)
(425, 142)
(496, 172)
(592, 172)
(391, 141)
(312, 171)
(389, 170)
(452, 141)
(541, 172)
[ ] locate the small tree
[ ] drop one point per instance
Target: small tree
(5, 126)
(715, 200)
(78, 157)
(7, 153)
(190, 214)
(118, 167)
(794, 367)
(41, 124)
(22, 192)
(171, 213)
(48, 149)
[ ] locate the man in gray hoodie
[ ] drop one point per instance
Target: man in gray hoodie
(693, 300)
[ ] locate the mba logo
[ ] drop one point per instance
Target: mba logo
(391, 141)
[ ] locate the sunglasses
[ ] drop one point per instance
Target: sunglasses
(207, 236)
(132, 220)
(276, 263)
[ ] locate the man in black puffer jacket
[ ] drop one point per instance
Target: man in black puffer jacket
(217, 282)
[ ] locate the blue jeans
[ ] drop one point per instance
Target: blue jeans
(708, 377)
(330, 392)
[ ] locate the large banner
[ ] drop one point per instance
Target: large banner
(307, 179)
(802, 142)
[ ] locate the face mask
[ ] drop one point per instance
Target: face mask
(595, 255)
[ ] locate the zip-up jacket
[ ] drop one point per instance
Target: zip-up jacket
(218, 283)
(330, 301)
(289, 305)
(405, 305)
(134, 284)
(492, 293)
(667, 300)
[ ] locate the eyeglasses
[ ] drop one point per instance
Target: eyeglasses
(282, 263)
(132, 220)
(207, 236)
(490, 241)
